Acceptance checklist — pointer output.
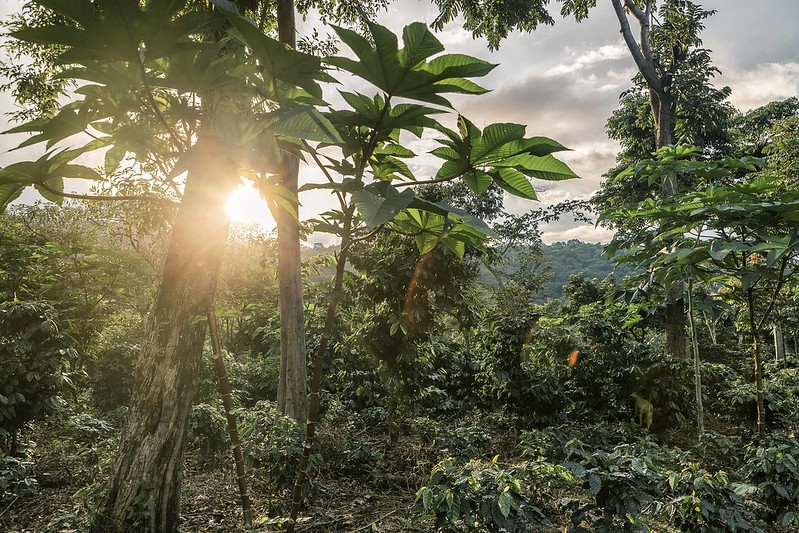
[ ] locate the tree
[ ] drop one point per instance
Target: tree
(374, 189)
(177, 104)
(740, 231)
(671, 67)
(34, 353)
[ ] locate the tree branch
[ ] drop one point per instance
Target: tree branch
(154, 199)
(646, 67)
(314, 155)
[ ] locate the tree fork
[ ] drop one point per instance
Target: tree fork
(227, 403)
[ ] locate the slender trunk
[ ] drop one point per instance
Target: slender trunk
(779, 344)
(711, 328)
(230, 414)
(700, 413)
(292, 399)
(761, 406)
(316, 383)
(144, 489)
(664, 111)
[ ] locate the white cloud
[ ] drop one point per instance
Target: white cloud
(585, 233)
(608, 52)
(763, 84)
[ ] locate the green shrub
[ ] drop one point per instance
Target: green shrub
(624, 481)
(483, 496)
(33, 353)
(208, 434)
(272, 445)
(701, 501)
(110, 375)
(15, 480)
(774, 470)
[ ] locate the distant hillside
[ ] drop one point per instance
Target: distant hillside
(573, 257)
(563, 260)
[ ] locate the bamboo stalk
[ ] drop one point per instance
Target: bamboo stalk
(227, 402)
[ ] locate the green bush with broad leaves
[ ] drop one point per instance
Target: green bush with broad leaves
(485, 496)
(15, 479)
(624, 481)
(208, 433)
(272, 445)
(33, 355)
(697, 500)
(774, 470)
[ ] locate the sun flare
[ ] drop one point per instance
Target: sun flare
(245, 206)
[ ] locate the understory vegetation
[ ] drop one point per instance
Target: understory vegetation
(496, 414)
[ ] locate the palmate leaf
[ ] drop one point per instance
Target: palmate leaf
(501, 153)
(50, 170)
(118, 30)
(304, 123)
(514, 182)
(406, 72)
(64, 124)
(277, 60)
(8, 193)
(378, 204)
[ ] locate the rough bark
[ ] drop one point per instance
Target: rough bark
(292, 394)
(664, 114)
(144, 489)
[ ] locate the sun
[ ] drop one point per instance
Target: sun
(245, 206)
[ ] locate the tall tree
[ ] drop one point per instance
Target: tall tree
(292, 395)
(666, 51)
(154, 92)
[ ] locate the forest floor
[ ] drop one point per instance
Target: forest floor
(68, 481)
(373, 495)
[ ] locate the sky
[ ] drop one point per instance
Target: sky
(564, 82)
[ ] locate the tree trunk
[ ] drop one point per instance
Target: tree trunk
(700, 412)
(663, 112)
(761, 405)
(144, 489)
(779, 344)
(292, 394)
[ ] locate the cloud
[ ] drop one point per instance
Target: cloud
(609, 52)
(763, 84)
(585, 233)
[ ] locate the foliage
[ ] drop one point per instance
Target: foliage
(774, 469)
(624, 481)
(484, 496)
(703, 501)
(15, 479)
(33, 355)
(208, 433)
(272, 445)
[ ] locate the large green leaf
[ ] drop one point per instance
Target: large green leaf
(375, 209)
(405, 72)
(514, 182)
